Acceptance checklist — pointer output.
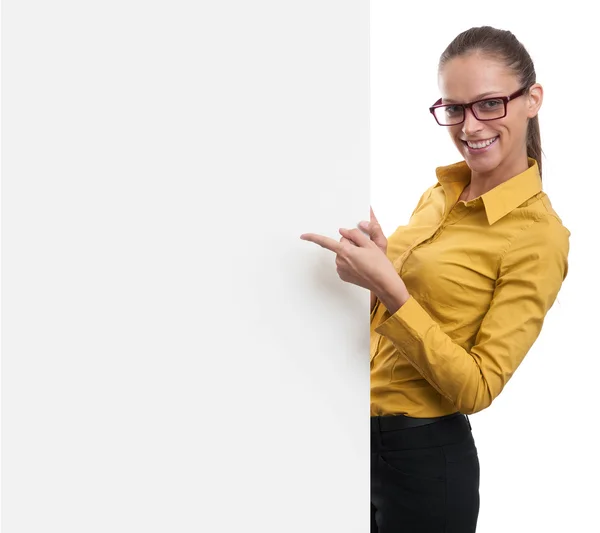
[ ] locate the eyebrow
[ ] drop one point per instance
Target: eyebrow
(478, 97)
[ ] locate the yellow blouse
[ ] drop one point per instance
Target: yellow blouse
(482, 275)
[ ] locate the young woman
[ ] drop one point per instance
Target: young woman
(459, 294)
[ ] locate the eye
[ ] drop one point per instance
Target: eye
(490, 105)
(453, 110)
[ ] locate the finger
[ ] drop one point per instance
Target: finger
(321, 240)
(375, 230)
(356, 236)
(375, 226)
(365, 226)
(343, 241)
(372, 227)
(373, 217)
(347, 241)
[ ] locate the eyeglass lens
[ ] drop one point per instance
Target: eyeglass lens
(489, 109)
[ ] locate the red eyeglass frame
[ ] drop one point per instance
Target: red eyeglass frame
(470, 105)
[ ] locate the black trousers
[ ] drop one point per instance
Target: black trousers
(424, 479)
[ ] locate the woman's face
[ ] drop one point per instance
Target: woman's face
(467, 78)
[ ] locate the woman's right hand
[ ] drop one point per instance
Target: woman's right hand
(373, 229)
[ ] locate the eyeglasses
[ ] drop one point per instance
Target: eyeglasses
(486, 109)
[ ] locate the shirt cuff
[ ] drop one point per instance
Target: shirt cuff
(408, 325)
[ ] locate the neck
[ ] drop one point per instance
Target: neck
(482, 182)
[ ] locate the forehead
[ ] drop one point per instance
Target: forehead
(464, 78)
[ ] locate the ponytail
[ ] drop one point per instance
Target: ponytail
(534, 142)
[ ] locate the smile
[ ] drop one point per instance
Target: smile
(480, 144)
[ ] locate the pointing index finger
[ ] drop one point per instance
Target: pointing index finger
(324, 242)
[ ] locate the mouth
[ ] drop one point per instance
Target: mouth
(479, 146)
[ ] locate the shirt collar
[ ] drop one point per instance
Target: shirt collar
(500, 200)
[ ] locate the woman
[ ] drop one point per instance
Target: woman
(458, 295)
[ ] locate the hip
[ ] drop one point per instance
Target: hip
(424, 479)
(398, 432)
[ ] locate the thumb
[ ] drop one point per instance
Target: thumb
(372, 228)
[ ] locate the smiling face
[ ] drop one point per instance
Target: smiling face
(496, 147)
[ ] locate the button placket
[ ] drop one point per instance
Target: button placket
(402, 259)
(449, 208)
(457, 211)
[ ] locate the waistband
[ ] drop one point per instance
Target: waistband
(396, 422)
(441, 431)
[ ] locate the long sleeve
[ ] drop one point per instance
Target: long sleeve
(530, 275)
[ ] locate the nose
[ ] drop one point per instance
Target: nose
(471, 124)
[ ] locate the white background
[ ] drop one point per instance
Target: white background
(142, 366)
(538, 441)
(174, 358)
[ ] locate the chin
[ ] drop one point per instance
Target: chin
(481, 163)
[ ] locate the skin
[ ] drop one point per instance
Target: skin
(466, 79)
(361, 259)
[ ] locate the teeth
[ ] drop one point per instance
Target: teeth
(481, 144)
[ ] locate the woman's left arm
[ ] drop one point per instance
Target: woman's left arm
(531, 273)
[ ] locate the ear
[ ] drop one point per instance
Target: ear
(535, 98)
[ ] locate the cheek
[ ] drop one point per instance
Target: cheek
(516, 122)
(454, 133)
(517, 129)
